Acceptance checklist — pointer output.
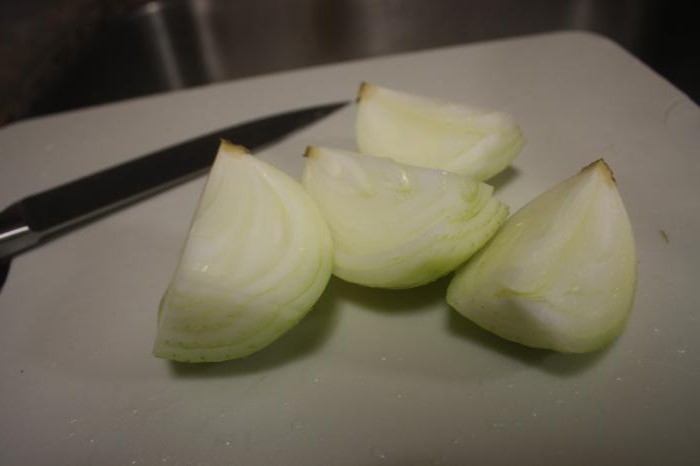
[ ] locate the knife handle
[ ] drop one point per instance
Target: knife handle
(15, 233)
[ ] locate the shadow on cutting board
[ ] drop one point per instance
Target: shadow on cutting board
(546, 360)
(393, 302)
(504, 178)
(311, 334)
(431, 298)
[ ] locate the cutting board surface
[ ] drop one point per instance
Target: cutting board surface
(370, 377)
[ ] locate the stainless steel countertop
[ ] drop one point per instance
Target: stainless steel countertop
(161, 46)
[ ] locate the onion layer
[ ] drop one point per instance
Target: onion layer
(395, 225)
(436, 134)
(561, 272)
(257, 257)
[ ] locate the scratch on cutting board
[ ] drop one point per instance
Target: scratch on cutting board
(664, 236)
(671, 107)
(255, 384)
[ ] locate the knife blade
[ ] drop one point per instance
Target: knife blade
(39, 217)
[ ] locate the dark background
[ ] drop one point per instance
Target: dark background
(66, 54)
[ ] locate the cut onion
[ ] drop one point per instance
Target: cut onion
(395, 225)
(432, 133)
(257, 258)
(561, 272)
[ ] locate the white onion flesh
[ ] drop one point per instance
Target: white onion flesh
(257, 258)
(561, 272)
(437, 134)
(396, 225)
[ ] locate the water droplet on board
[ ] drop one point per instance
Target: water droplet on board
(297, 425)
(378, 453)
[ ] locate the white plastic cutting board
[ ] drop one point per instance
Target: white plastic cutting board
(369, 377)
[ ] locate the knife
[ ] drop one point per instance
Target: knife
(42, 216)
